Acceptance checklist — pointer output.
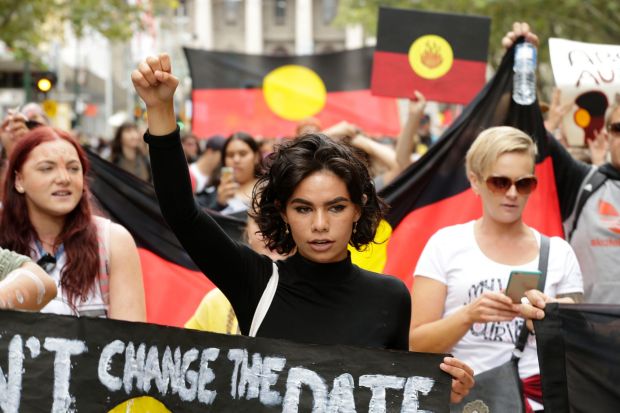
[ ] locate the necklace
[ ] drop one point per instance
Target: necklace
(50, 245)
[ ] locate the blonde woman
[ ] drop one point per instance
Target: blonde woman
(458, 300)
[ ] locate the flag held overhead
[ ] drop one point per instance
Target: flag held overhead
(442, 55)
(268, 95)
(434, 192)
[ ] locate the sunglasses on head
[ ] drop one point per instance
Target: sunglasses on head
(502, 184)
(47, 262)
(614, 127)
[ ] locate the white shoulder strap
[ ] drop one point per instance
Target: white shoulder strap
(265, 301)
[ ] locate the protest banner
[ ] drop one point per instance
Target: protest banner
(52, 363)
(587, 74)
(442, 55)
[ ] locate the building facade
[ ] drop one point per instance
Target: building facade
(273, 27)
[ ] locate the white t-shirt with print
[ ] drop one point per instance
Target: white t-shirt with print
(452, 256)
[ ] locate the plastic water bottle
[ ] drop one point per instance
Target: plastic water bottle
(524, 80)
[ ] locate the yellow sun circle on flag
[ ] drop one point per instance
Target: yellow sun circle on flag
(294, 92)
(143, 404)
(431, 56)
(582, 118)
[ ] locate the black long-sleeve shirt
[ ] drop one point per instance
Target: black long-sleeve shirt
(335, 303)
(569, 175)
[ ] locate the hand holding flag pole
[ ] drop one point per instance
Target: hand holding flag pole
(155, 84)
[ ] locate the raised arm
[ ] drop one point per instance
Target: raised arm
(236, 270)
(379, 152)
(569, 172)
(155, 84)
(408, 135)
(556, 113)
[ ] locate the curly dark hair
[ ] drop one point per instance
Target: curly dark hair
(295, 160)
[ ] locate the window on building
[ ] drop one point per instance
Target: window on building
(329, 11)
(231, 11)
(279, 12)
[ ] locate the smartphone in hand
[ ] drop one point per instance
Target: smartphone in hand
(226, 174)
(521, 281)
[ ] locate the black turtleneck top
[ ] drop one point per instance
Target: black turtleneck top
(336, 303)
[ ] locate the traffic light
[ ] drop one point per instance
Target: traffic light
(44, 81)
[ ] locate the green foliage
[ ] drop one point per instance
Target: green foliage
(26, 24)
(581, 20)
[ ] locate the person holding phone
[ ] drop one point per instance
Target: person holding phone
(459, 305)
(589, 198)
(241, 160)
(520, 282)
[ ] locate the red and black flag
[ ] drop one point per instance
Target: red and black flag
(579, 359)
(268, 95)
(434, 191)
(173, 284)
(442, 55)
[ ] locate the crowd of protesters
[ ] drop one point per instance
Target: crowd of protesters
(305, 200)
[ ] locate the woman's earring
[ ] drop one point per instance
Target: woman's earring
(355, 227)
(20, 189)
(286, 229)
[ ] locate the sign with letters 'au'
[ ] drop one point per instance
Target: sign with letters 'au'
(52, 363)
(588, 75)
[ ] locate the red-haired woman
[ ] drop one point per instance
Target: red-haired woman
(47, 215)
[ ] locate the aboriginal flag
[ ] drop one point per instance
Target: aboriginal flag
(434, 191)
(268, 95)
(442, 55)
(173, 285)
(579, 359)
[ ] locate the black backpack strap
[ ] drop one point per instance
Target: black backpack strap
(594, 182)
(543, 263)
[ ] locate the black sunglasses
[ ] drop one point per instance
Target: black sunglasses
(501, 184)
(47, 262)
(614, 127)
